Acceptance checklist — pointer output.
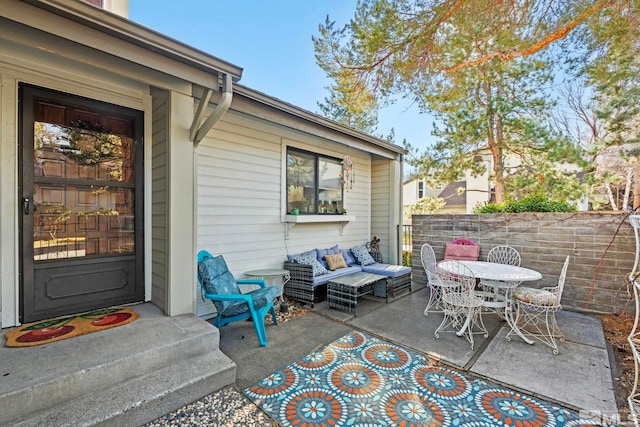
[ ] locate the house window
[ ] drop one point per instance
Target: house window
(313, 183)
(420, 189)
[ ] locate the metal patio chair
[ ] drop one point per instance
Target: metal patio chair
(496, 289)
(462, 306)
(504, 254)
(219, 286)
(428, 259)
(536, 311)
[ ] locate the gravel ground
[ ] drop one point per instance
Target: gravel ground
(225, 408)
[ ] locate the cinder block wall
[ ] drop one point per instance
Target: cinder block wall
(601, 246)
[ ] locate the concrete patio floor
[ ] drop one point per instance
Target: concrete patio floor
(579, 378)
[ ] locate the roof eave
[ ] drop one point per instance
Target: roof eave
(315, 118)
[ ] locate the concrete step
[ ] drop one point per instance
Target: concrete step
(100, 368)
(141, 399)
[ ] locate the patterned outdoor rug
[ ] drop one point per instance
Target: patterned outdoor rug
(46, 331)
(361, 381)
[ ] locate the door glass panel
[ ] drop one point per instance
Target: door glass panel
(84, 192)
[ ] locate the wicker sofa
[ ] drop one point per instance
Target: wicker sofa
(309, 289)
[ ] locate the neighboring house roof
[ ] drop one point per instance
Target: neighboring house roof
(407, 181)
(451, 196)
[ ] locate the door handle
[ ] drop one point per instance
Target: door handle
(25, 205)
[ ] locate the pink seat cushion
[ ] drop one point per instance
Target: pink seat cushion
(462, 252)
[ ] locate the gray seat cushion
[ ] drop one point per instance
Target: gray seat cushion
(388, 270)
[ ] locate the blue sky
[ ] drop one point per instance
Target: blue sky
(271, 41)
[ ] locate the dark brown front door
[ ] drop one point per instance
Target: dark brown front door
(81, 206)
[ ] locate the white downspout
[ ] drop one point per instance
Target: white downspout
(221, 108)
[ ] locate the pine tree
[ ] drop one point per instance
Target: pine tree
(479, 66)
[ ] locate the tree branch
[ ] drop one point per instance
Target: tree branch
(562, 32)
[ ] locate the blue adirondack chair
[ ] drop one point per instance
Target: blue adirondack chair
(219, 286)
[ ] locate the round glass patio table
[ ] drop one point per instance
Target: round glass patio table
(271, 274)
(510, 275)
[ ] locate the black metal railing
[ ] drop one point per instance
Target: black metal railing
(406, 236)
(407, 242)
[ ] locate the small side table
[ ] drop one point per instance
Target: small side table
(270, 274)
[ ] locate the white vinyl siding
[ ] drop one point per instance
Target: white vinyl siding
(9, 255)
(381, 205)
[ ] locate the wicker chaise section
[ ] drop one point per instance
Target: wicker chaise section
(400, 283)
(300, 286)
(396, 284)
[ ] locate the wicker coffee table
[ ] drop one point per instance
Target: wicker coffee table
(343, 292)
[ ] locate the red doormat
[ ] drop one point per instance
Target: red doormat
(60, 328)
